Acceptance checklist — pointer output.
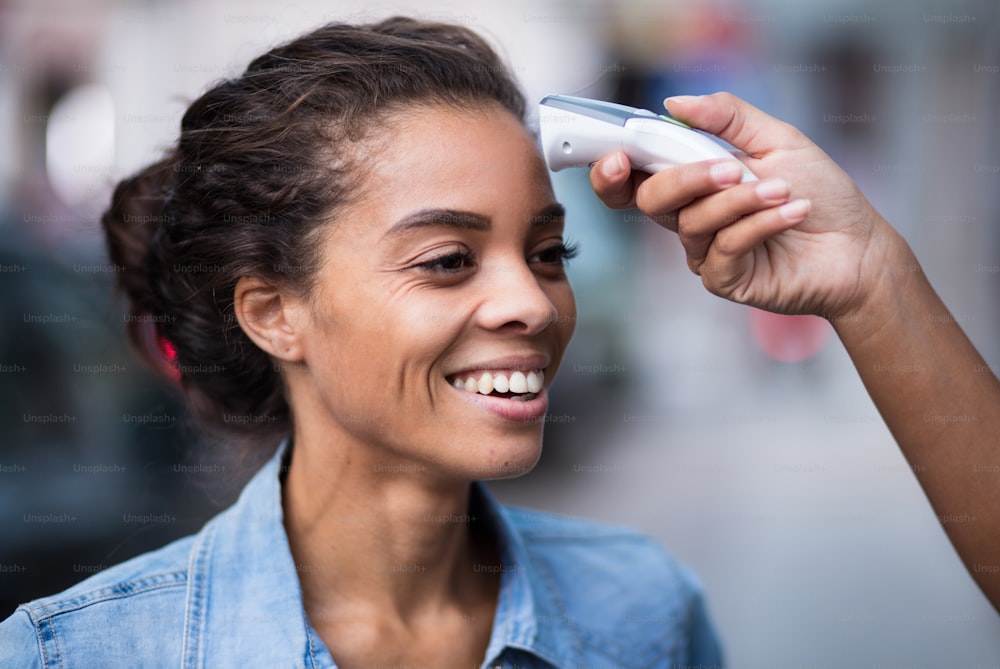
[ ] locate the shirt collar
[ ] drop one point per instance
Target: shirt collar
(243, 577)
(244, 599)
(529, 616)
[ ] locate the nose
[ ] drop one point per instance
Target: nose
(515, 299)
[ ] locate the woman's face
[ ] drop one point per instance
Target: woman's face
(441, 309)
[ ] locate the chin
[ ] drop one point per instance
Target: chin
(511, 457)
(495, 454)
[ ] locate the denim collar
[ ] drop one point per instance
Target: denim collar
(529, 615)
(244, 601)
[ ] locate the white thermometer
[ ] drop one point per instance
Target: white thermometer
(577, 132)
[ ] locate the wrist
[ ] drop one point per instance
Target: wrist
(889, 275)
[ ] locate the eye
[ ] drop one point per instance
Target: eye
(448, 263)
(557, 254)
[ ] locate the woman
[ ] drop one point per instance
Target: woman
(360, 233)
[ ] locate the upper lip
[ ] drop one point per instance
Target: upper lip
(522, 362)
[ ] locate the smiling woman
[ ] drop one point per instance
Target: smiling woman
(339, 276)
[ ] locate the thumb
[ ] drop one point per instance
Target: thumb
(610, 179)
(737, 122)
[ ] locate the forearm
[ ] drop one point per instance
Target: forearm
(941, 402)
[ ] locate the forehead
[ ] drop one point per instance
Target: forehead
(452, 156)
(480, 161)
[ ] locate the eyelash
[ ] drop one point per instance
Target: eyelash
(565, 252)
(439, 264)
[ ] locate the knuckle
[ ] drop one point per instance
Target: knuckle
(720, 281)
(723, 96)
(725, 245)
(710, 281)
(688, 229)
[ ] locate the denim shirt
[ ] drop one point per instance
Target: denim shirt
(573, 594)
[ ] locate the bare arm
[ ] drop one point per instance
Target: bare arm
(941, 402)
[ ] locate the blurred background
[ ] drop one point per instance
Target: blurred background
(744, 443)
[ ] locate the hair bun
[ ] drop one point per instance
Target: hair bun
(131, 224)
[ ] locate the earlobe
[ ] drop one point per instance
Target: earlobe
(269, 316)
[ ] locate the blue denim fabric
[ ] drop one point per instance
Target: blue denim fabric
(573, 595)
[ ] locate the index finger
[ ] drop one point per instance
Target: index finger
(667, 191)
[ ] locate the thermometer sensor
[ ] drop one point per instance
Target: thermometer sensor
(577, 132)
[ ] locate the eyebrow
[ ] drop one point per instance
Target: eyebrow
(554, 213)
(467, 220)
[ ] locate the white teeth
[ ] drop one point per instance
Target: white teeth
(523, 385)
(534, 382)
(518, 383)
(485, 384)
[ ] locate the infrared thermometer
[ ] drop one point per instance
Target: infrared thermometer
(577, 132)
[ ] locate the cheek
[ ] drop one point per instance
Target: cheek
(429, 318)
(409, 335)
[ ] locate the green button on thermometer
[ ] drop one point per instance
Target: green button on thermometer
(577, 132)
(670, 119)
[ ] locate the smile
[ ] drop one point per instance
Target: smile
(516, 385)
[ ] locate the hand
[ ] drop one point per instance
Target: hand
(803, 240)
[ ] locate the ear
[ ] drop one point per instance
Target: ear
(270, 317)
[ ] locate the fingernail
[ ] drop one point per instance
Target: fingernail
(680, 98)
(795, 211)
(726, 173)
(772, 189)
(614, 166)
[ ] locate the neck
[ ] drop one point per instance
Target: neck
(373, 535)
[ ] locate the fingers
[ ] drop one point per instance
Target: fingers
(730, 257)
(701, 220)
(741, 124)
(661, 195)
(736, 121)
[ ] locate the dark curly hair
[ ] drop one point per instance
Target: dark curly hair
(264, 161)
